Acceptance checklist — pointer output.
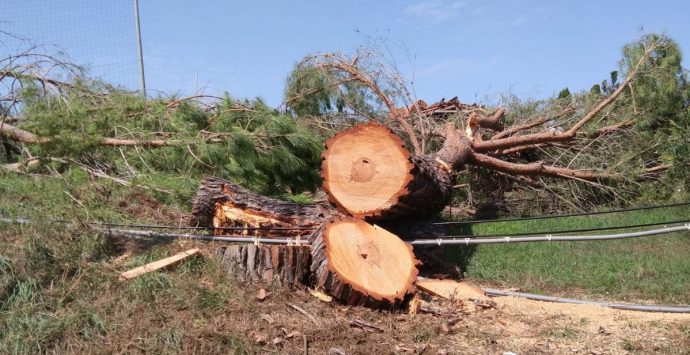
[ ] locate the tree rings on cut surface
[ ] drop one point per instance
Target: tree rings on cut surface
(365, 169)
(362, 264)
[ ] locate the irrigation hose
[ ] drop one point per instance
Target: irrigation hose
(623, 306)
(23, 220)
(547, 238)
(630, 226)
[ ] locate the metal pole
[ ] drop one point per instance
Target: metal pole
(141, 53)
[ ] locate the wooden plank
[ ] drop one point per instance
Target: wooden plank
(451, 289)
(157, 265)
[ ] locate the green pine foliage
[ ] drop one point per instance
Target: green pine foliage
(314, 91)
(241, 140)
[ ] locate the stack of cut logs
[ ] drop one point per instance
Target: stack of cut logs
(370, 178)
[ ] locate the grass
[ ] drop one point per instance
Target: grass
(651, 268)
(59, 290)
(58, 281)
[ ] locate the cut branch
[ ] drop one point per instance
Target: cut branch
(529, 139)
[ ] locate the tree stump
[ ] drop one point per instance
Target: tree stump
(266, 264)
(368, 173)
(361, 264)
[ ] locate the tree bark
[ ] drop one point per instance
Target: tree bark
(266, 264)
(221, 204)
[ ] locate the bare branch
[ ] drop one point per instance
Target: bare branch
(342, 65)
(27, 137)
(538, 168)
(537, 122)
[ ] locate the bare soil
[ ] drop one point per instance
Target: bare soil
(514, 325)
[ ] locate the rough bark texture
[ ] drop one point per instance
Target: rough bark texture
(429, 191)
(355, 282)
(266, 264)
(221, 204)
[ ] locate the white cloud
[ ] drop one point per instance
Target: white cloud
(435, 10)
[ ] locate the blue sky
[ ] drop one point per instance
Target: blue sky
(476, 50)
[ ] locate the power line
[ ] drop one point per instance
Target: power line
(480, 221)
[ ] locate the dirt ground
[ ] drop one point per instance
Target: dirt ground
(514, 326)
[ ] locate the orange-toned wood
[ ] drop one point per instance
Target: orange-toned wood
(362, 264)
(368, 173)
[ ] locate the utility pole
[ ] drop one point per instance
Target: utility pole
(141, 53)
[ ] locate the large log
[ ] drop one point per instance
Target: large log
(353, 261)
(225, 206)
(368, 173)
(361, 264)
(222, 204)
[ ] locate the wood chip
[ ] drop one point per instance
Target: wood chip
(262, 294)
(415, 303)
(321, 296)
(157, 265)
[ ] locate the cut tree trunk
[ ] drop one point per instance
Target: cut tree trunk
(221, 204)
(266, 264)
(361, 264)
(368, 173)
